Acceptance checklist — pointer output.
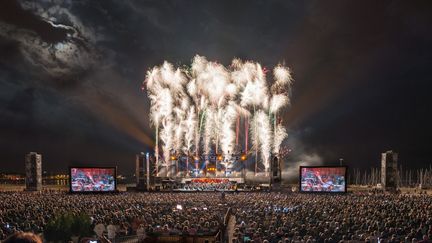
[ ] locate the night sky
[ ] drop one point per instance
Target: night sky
(71, 72)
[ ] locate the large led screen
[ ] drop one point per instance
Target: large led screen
(323, 179)
(92, 179)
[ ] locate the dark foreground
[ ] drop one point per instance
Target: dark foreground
(260, 216)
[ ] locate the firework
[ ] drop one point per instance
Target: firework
(198, 109)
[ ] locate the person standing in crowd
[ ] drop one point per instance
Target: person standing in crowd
(99, 229)
(111, 228)
(141, 233)
(425, 239)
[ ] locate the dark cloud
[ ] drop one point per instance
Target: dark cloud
(51, 40)
(12, 13)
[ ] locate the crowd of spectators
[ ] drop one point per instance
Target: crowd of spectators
(209, 186)
(275, 217)
(259, 216)
(155, 213)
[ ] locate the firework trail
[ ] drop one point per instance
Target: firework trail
(190, 133)
(198, 109)
(279, 135)
(262, 138)
(227, 131)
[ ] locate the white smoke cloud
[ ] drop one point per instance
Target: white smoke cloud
(291, 169)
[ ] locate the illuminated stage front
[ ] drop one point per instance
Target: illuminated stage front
(215, 180)
(205, 166)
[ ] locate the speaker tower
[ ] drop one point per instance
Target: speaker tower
(144, 172)
(389, 177)
(33, 169)
(276, 175)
